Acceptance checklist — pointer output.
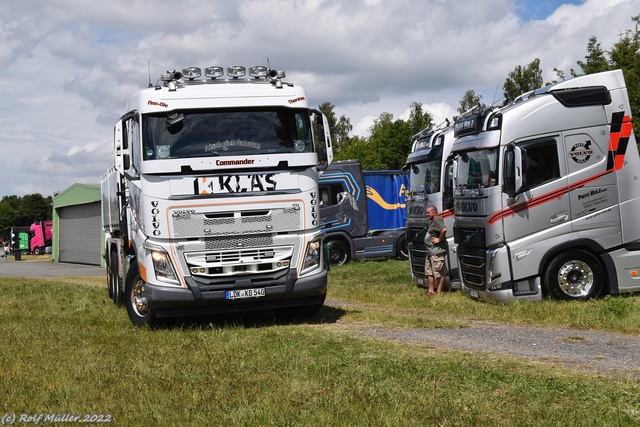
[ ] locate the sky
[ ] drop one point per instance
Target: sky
(70, 66)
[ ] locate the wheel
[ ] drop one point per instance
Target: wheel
(109, 279)
(402, 249)
(136, 299)
(338, 252)
(38, 251)
(114, 279)
(574, 275)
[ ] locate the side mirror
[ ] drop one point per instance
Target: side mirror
(325, 148)
(513, 180)
(119, 145)
(454, 174)
(448, 185)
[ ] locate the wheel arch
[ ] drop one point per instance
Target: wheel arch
(344, 238)
(127, 255)
(593, 248)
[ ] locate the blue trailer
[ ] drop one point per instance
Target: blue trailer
(363, 212)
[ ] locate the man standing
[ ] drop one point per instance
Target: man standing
(436, 245)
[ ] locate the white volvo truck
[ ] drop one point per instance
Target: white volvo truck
(212, 204)
(547, 194)
(427, 163)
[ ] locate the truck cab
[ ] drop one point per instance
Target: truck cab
(40, 237)
(362, 212)
(546, 195)
(429, 172)
(211, 204)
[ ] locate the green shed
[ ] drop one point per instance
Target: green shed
(77, 226)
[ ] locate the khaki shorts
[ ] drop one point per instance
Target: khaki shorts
(434, 266)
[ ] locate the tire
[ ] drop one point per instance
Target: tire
(114, 279)
(38, 251)
(338, 252)
(135, 299)
(402, 248)
(574, 275)
(109, 278)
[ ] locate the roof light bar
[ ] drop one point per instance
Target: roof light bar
(173, 78)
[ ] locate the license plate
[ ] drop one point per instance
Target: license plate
(246, 293)
(474, 294)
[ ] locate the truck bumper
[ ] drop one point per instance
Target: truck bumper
(502, 295)
(170, 302)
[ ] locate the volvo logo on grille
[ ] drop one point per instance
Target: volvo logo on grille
(415, 210)
(466, 207)
(183, 214)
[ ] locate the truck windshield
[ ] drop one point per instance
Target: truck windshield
(425, 177)
(478, 168)
(226, 132)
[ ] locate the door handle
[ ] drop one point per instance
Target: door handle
(559, 218)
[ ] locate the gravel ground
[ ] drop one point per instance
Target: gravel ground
(595, 352)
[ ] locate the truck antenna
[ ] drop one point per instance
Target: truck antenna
(149, 71)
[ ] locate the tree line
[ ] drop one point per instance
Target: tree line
(23, 211)
(389, 142)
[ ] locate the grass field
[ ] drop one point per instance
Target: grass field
(66, 349)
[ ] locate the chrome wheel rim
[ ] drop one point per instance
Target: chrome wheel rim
(139, 298)
(575, 278)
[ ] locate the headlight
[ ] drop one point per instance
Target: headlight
(312, 255)
(163, 267)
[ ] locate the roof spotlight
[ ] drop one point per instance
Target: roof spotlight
(213, 72)
(236, 71)
(192, 72)
(259, 71)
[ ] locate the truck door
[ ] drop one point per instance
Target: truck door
(538, 211)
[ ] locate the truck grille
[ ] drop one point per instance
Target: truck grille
(417, 251)
(418, 258)
(472, 267)
(211, 266)
(229, 223)
(469, 236)
(233, 242)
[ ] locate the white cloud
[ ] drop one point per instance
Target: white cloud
(70, 65)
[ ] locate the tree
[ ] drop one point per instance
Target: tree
(23, 211)
(343, 129)
(522, 80)
(418, 118)
(625, 54)
(596, 60)
(469, 100)
(339, 128)
(390, 140)
(355, 148)
(389, 143)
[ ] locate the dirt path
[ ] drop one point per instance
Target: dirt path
(596, 352)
